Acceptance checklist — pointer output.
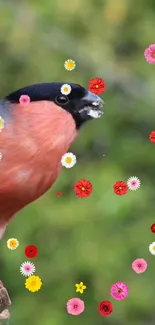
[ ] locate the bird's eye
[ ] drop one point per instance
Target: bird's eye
(62, 99)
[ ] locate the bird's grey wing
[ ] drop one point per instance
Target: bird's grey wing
(5, 301)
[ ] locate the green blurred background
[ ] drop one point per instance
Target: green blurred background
(93, 240)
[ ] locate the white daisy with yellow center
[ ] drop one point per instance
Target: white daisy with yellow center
(65, 89)
(69, 65)
(152, 248)
(68, 160)
(12, 243)
(1, 123)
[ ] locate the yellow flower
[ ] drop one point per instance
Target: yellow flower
(33, 283)
(80, 287)
(1, 124)
(12, 243)
(69, 65)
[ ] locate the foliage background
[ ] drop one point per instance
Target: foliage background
(93, 240)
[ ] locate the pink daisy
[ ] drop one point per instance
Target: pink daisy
(133, 183)
(75, 306)
(139, 265)
(149, 54)
(27, 268)
(24, 100)
(119, 290)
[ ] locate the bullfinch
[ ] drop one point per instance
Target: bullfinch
(34, 139)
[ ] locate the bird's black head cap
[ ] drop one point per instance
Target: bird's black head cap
(79, 102)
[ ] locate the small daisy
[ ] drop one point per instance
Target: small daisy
(65, 89)
(152, 248)
(12, 243)
(68, 160)
(1, 123)
(133, 183)
(27, 268)
(24, 100)
(69, 65)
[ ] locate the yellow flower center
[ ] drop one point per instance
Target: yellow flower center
(33, 283)
(153, 248)
(65, 89)
(153, 54)
(120, 188)
(69, 65)
(97, 86)
(68, 160)
(13, 243)
(83, 188)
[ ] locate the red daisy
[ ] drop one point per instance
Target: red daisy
(105, 308)
(120, 188)
(153, 228)
(31, 251)
(97, 86)
(58, 193)
(83, 188)
(152, 136)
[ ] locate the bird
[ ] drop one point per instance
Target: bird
(35, 138)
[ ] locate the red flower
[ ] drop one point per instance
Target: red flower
(31, 251)
(153, 228)
(97, 86)
(105, 308)
(152, 136)
(58, 193)
(120, 188)
(83, 188)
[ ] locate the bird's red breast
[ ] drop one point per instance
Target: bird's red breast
(32, 144)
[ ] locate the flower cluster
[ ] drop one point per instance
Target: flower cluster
(121, 188)
(33, 282)
(76, 306)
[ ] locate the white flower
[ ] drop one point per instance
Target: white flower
(68, 160)
(12, 243)
(152, 248)
(27, 268)
(69, 65)
(65, 89)
(133, 183)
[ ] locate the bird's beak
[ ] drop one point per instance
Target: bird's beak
(93, 105)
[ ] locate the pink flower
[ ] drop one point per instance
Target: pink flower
(24, 100)
(149, 54)
(75, 306)
(119, 290)
(139, 265)
(133, 183)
